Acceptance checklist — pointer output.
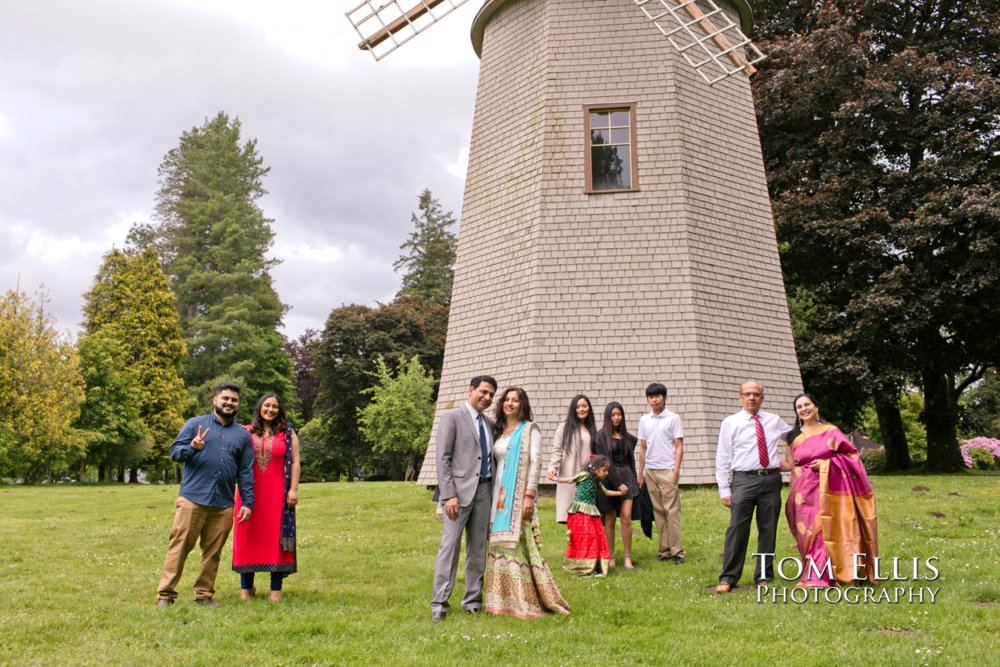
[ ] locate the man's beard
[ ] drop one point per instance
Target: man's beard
(224, 417)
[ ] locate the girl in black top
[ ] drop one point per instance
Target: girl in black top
(615, 442)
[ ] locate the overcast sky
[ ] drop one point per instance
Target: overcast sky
(93, 94)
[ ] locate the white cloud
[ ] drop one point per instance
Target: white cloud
(95, 94)
(461, 164)
(319, 32)
(303, 251)
(6, 128)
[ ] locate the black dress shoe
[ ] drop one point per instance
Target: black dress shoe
(207, 602)
(438, 615)
(163, 603)
(472, 610)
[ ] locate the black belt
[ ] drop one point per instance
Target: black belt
(484, 480)
(758, 473)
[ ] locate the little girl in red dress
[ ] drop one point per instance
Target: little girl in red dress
(587, 551)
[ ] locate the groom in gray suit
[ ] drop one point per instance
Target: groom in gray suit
(464, 458)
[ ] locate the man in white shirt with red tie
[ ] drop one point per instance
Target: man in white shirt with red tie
(747, 470)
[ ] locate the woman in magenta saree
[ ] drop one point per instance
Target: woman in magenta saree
(830, 506)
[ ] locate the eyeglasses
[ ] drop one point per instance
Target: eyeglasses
(752, 394)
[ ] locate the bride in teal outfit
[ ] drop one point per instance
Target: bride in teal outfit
(518, 581)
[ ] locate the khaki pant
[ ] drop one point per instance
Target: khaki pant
(191, 522)
(666, 499)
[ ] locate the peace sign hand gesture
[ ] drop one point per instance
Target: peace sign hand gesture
(199, 440)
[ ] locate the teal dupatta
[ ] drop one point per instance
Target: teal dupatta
(506, 526)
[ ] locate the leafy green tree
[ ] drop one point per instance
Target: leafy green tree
(353, 339)
(216, 239)
(397, 421)
(110, 415)
(131, 303)
(428, 257)
(981, 407)
(41, 391)
(320, 462)
(911, 412)
(880, 125)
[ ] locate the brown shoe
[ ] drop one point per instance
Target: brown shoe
(723, 587)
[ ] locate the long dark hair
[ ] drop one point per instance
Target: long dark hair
(609, 430)
(572, 423)
(798, 422)
(523, 414)
(280, 422)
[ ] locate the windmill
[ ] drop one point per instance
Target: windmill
(616, 228)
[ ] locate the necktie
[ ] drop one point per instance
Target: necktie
(761, 443)
(484, 468)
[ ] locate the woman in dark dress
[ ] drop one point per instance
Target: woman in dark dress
(615, 442)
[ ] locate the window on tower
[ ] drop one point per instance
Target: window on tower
(610, 157)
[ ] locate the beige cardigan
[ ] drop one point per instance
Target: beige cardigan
(567, 464)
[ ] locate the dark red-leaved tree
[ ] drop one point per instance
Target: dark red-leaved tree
(880, 124)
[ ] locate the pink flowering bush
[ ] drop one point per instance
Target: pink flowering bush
(989, 445)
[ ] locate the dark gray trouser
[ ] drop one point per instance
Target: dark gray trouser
(749, 493)
(474, 519)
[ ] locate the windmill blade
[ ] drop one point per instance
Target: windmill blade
(710, 41)
(386, 26)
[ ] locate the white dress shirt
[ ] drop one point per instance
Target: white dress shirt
(737, 448)
(487, 429)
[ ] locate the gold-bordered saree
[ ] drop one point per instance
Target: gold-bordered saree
(831, 512)
(518, 582)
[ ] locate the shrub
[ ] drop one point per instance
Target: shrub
(873, 460)
(981, 459)
(990, 446)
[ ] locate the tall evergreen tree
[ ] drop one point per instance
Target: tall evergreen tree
(216, 240)
(880, 124)
(41, 391)
(428, 257)
(131, 303)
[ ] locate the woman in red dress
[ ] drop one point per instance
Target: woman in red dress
(266, 542)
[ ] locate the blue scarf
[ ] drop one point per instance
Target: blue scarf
(509, 502)
(287, 539)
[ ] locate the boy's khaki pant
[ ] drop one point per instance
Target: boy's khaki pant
(666, 499)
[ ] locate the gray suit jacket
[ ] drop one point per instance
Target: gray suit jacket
(458, 455)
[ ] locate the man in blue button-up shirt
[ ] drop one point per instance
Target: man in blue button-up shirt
(217, 453)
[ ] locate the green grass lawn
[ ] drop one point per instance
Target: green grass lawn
(80, 566)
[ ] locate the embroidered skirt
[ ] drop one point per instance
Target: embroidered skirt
(519, 582)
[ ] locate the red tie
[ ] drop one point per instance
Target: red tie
(761, 443)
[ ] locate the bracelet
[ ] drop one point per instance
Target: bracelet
(530, 495)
